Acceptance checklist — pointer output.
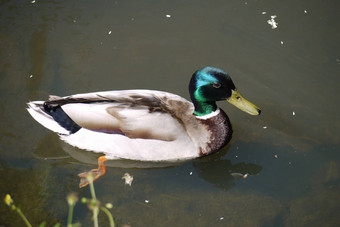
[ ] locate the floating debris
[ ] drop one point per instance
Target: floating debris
(272, 21)
(239, 175)
(128, 178)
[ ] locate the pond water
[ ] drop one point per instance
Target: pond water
(290, 152)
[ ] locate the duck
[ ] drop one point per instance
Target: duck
(145, 125)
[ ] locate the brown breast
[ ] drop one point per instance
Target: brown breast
(221, 131)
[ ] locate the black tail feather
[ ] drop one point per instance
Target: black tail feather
(61, 118)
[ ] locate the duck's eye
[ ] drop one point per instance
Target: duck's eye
(216, 85)
(238, 98)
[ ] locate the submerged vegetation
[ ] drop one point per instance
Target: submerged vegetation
(92, 203)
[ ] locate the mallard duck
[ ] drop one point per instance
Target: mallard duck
(145, 125)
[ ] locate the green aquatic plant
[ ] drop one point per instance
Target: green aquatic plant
(9, 202)
(93, 204)
(72, 199)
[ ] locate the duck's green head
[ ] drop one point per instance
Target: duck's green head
(209, 85)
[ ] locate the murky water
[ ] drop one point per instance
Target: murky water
(291, 151)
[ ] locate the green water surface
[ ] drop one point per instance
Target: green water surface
(290, 152)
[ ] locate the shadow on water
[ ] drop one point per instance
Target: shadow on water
(213, 169)
(222, 173)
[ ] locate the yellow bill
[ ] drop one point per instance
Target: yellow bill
(237, 100)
